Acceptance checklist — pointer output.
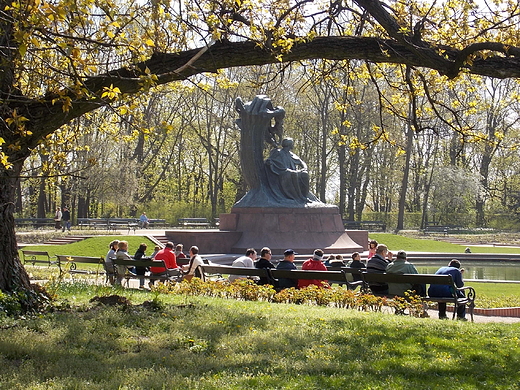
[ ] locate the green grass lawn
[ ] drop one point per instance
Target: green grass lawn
(397, 242)
(211, 343)
(93, 246)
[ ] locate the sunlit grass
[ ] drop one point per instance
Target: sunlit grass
(397, 242)
(210, 343)
(93, 246)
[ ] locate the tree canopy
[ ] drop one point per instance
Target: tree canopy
(63, 59)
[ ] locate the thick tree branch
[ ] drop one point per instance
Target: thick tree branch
(46, 117)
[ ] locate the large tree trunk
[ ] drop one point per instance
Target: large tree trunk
(12, 274)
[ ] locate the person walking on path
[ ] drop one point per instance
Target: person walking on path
(66, 219)
(57, 218)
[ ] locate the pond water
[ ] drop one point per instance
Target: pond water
(476, 269)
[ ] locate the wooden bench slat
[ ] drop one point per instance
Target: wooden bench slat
(229, 270)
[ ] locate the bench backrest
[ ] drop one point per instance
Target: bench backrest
(407, 278)
(348, 270)
(141, 263)
(35, 253)
(229, 270)
(336, 276)
(123, 220)
(80, 259)
(193, 221)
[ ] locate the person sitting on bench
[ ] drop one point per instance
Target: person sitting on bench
(439, 291)
(168, 257)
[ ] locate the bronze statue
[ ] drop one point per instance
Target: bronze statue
(282, 179)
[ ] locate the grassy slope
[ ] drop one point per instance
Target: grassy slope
(209, 343)
(94, 246)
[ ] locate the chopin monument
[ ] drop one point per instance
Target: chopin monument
(279, 211)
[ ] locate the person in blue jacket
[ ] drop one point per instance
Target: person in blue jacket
(439, 291)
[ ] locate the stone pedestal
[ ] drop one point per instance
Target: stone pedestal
(301, 229)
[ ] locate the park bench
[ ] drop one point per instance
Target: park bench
(272, 275)
(425, 279)
(123, 223)
(70, 264)
(373, 225)
(194, 222)
(352, 225)
(169, 276)
(436, 229)
(34, 222)
(212, 270)
(41, 257)
(93, 223)
(365, 225)
(339, 276)
(349, 274)
(153, 223)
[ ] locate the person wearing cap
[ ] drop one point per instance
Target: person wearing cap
(402, 266)
(313, 264)
(287, 263)
(377, 265)
(264, 262)
(439, 291)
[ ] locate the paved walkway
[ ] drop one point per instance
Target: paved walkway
(480, 319)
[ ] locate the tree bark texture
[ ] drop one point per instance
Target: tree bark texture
(12, 274)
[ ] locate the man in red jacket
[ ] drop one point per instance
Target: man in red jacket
(168, 256)
(313, 264)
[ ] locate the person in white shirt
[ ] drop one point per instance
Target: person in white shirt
(192, 269)
(247, 261)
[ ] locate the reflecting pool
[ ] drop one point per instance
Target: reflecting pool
(476, 269)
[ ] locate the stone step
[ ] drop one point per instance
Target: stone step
(65, 240)
(159, 239)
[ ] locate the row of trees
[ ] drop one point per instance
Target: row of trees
(374, 145)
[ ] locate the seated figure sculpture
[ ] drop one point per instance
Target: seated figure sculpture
(288, 173)
(280, 181)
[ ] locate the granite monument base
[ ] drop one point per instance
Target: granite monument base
(301, 229)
